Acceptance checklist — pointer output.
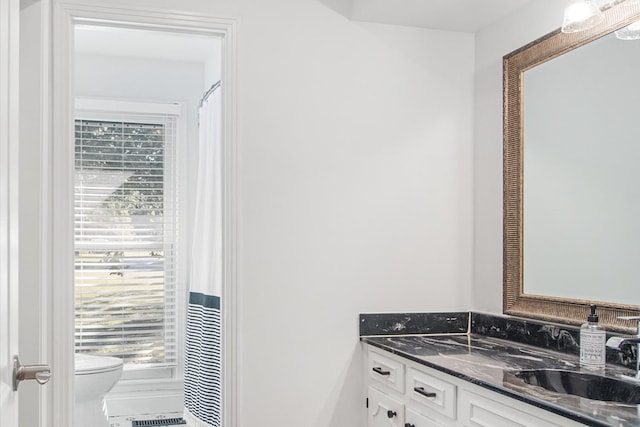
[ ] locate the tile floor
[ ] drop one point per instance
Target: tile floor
(125, 421)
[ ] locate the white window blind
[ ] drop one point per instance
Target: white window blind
(125, 238)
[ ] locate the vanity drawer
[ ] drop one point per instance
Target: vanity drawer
(386, 371)
(432, 392)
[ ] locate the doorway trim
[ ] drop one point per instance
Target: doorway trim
(65, 16)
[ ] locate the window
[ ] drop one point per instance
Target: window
(127, 282)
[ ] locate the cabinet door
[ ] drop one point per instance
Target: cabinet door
(414, 419)
(384, 411)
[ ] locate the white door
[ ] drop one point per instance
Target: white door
(11, 143)
(9, 32)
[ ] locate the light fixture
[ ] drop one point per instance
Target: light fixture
(630, 32)
(581, 15)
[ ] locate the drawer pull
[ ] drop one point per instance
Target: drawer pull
(409, 425)
(420, 390)
(379, 370)
(391, 413)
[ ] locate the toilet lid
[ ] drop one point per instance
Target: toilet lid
(90, 364)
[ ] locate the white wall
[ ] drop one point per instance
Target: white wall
(532, 21)
(355, 151)
(355, 156)
(355, 145)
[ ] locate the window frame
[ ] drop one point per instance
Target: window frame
(113, 110)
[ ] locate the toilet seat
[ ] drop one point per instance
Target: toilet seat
(86, 364)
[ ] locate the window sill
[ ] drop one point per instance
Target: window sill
(148, 385)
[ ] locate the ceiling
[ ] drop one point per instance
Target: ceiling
(450, 15)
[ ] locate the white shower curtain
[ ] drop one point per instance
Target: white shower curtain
(202, 385)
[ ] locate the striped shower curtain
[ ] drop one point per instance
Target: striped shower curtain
(203, 386)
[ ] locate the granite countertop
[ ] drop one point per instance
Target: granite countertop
(493, 362)
(489, 350)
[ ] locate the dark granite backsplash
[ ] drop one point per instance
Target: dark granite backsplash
(540, 334)
(414, 323)
(553, 336)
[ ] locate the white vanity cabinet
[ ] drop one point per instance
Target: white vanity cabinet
(403, 393)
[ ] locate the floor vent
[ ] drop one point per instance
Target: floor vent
(159, 422)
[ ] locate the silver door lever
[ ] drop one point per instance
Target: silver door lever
(40, 373)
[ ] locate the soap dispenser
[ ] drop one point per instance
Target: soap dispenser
(592, 343)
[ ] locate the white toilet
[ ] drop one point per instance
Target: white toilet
(94, 377)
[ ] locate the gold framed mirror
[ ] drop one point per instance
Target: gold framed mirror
(518, 300)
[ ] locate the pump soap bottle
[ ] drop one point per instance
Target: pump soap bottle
(592, 343)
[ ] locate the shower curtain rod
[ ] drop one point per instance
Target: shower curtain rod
(209, 92)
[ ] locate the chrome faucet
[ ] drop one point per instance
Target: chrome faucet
(618, 342)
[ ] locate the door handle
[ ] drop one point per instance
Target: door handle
(379, 370)
(421, 390)
(40, 373)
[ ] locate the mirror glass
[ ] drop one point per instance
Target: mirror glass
(571, 206)
(581, 165)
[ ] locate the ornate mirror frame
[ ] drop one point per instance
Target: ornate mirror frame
(515, 301)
